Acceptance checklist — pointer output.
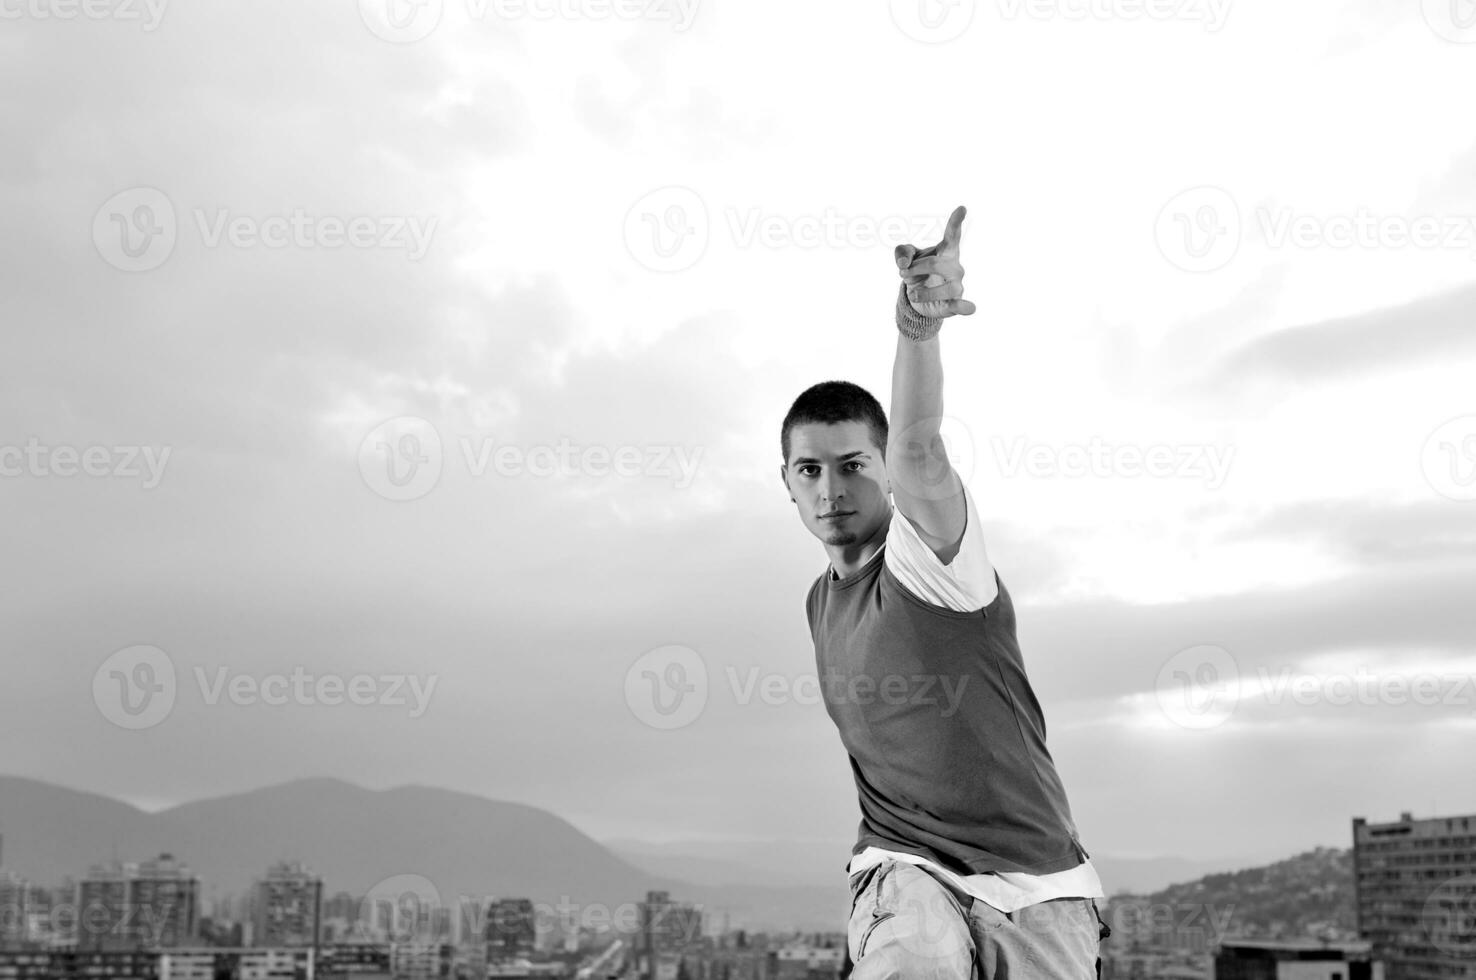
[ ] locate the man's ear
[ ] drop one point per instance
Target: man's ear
(784, 476)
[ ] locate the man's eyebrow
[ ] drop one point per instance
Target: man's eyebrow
(800, 460)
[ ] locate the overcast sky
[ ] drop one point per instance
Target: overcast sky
(448, 345)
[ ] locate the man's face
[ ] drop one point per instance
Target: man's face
(838, 480)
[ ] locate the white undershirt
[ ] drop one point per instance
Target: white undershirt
(964, 585)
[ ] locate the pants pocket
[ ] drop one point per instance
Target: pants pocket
(877, 919)
(1105, 930)
(1102, 934)
(867, 908)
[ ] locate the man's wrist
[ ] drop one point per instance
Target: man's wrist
(912, 324)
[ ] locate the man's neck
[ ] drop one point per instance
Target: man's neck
(847, 560)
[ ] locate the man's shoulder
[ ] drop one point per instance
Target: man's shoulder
(812, 598)
(966, 582)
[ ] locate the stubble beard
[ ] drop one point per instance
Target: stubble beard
(841, 538)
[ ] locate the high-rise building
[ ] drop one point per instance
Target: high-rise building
(103, 918)
(341, 906)
(1415, 888)
(288, 907)
(126, 906)
(511, 929)
(18, 903)
(666, 928)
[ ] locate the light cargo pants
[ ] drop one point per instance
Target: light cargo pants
(907, 923)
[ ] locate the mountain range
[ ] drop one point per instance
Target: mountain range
(462, 844)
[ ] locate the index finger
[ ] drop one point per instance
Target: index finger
(953, 232)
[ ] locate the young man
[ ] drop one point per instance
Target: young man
(968, 863)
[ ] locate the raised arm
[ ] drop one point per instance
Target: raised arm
(925, 487)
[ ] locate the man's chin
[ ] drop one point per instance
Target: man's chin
(841, 539)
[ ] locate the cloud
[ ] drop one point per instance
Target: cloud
(1429, 330)
(1107, 649)
(1364, 531)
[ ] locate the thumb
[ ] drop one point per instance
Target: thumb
(904, 255)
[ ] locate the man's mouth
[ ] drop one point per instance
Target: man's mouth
(836, 515)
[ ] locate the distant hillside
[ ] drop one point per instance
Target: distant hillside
(1306, 896)
(464, 845)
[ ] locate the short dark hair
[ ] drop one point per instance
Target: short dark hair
(830, 402)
